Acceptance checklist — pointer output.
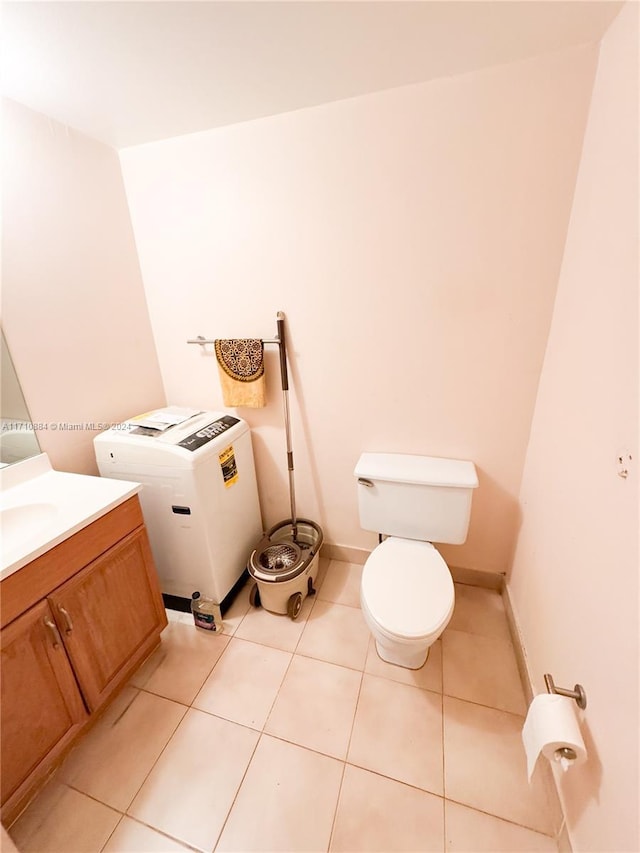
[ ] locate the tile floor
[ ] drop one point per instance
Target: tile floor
(295, 736)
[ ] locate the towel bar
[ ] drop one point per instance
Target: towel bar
(202, 341)
(199, 339)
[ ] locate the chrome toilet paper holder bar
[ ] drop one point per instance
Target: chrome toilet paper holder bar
(578, 692)
(565, 752)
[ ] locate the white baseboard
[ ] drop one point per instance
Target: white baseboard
(345, 553)
(477, 577)
(562, 836)
(518, 646)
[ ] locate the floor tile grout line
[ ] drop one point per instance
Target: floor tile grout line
(185, 704)
(144, 688)
(113, 831)
(442, 797)
(236, 722)
(498, 817)
(493, 637)
(258, 643)
(275, 698)
(244, 616)
(333, 662)
(218, 716)
(191, 707)
(302, 746)
(335, 811)
(155, 829)
(411, 785)
(138, 789)
(332, 601)
(162, 656)
(306, 621)
(341, 603)
(89, 796)
(188, 708)
(160, 754)
(208, 675)
(487, 707)
(164, 834)
(344, 762)
(293, 654)
(270, 645)
(238, 789)
(355, 714)
(77, 791)
(403, 683)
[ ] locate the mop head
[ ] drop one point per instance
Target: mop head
(280, 556)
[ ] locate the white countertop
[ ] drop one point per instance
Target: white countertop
(40, 507)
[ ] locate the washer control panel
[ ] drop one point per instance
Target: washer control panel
(208, 433)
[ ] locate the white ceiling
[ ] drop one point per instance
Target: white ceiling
(135, 72)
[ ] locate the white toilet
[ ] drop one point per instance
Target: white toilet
(407, 593)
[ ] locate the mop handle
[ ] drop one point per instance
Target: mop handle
(287, 417)
(282, 348)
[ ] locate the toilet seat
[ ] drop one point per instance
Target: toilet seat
(407, 589)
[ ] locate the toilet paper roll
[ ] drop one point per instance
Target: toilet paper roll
(551, 724)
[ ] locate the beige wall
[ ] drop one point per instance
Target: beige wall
(73, 306)
(413, 238)
(574, 584)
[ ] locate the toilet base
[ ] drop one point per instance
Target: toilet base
(402, 655)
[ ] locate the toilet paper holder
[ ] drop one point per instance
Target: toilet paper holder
(565, 752)
(578, 693)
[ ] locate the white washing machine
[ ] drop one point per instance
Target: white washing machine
(199, 496)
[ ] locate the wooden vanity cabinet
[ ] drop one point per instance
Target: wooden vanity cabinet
(76, 623)
(106, 614)
(42, 709)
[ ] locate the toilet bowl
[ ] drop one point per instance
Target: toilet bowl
(407, 594)
(407, 598)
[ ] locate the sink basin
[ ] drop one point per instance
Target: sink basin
(40, 507)
(20, 523)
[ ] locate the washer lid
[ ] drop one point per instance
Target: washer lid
(408, 588)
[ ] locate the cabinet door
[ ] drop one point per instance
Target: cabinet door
(42, 709)
(110, 615)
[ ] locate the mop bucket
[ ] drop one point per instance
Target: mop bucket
(284, 565)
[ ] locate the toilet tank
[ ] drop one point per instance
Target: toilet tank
(415, 497)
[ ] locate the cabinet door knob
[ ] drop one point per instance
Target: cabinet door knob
(69, 624)
(51, 625)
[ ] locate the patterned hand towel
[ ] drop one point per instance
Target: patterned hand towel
(241, 369)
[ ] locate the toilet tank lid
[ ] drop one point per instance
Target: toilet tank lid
(421, 470)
